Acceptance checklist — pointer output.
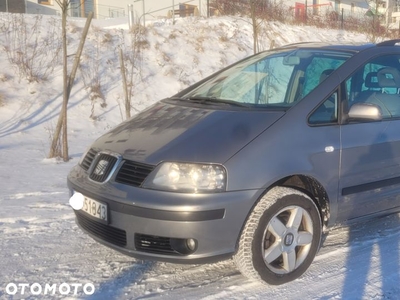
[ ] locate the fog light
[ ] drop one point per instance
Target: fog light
(191, 244)
(183, 246)
(76, 201)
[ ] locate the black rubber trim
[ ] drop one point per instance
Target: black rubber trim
(370, 186)
(180, 216)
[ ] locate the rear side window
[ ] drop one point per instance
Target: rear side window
(371, 82)
(377, 82)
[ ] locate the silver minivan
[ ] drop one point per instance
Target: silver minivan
(253, 163)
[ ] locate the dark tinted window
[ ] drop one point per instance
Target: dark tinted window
(378, 83)
(327, 112)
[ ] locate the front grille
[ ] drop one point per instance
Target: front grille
(133, 173)
(103, 168)
(154, 244)
(87, 161)
(105, 232)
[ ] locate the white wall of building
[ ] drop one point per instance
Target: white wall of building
(50, 8)
(116, 8)
(154, 9)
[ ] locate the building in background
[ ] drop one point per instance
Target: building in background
(42, 7)
(13, 6)
(154, 9)
(104, 9)
(396, 13)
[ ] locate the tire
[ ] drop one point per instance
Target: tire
(285, 228)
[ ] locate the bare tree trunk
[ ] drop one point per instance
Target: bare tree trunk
(67, 84)
(255, 24)
(272, 44)
(65, 88)
(79, 52)
(255, 34)
(62, 117)
(127, 98)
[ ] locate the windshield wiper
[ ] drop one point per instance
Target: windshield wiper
(214, 100)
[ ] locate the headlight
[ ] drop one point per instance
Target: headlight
(185, 177)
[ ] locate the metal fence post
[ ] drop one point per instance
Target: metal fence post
(173, 12)
(305, 13)
(130, 15)
(342, 21)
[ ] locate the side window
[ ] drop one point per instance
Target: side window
(378, 83)
(327, 112)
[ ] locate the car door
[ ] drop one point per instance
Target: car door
(370, 150)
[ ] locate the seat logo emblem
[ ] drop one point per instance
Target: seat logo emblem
(289, 239)
(101, 167)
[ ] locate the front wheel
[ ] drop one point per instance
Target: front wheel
(280, 238)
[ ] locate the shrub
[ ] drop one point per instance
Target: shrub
(34, 49)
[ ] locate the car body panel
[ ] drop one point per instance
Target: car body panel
(186, 133)
(370, 168)
(159, 213)
(311, 144)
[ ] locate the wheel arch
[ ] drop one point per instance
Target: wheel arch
(306, 184)
(313, 189)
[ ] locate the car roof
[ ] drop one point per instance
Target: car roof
(352, 47)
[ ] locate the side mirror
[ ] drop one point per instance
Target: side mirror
(365, 112)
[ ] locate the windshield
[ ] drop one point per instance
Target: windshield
(271, 79)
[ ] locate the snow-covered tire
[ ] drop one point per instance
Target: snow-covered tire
(280, 238)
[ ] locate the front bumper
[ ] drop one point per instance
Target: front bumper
(149, 224)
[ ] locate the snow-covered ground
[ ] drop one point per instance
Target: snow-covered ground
(40, 243)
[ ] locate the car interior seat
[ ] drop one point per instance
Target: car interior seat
(325, 74)
(388, 98)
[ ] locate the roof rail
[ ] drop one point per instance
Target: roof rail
(292, 44)
(389, 43)
(301, 43)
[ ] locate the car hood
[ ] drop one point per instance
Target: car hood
(168, 132)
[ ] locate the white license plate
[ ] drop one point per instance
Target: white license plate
(95, 209)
